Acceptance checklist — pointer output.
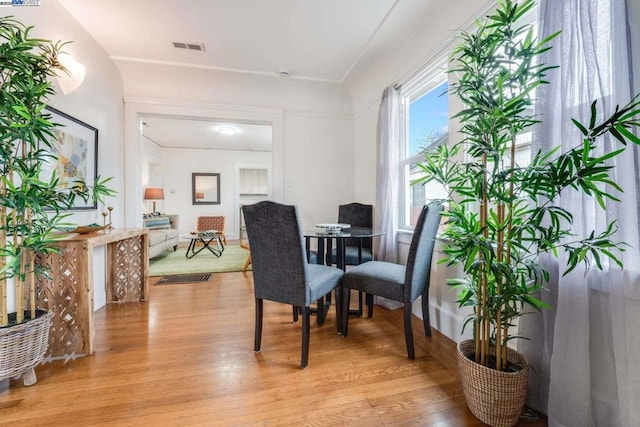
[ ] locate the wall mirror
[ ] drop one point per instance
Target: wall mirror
(205, 188)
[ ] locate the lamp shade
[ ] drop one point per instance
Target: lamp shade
(153, 194)
(199, 195)
(71, 74)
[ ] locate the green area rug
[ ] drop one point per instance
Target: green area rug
(232, 259)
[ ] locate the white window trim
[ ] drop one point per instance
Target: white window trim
(423, 82)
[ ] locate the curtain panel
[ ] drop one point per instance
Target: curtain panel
(388, 178)
(584, 350)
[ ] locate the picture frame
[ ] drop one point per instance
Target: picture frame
(76, 147)
(205, 188)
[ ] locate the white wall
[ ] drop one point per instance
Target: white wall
(150, 161)
(97, 102)
(419, 46)
(313, 127)
(429, 41)
(179, 164)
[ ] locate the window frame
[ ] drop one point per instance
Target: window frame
(424, 82)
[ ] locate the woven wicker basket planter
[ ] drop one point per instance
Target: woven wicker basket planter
(494, 397)
(23, 346)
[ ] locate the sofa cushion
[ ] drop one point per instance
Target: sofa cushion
(157, 236)
(158, 223)
(171, 233)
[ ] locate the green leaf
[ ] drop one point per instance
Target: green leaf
(579, 125)
(594, 114)
(626, 133)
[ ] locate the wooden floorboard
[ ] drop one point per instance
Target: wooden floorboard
(186, 358)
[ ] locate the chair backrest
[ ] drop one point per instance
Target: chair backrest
(206, 223)
(421, 251)
(277, 252)
(358, 215)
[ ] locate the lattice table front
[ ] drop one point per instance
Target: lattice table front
(125, 269)
(68, 291)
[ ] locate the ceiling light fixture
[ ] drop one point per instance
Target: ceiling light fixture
(227, 130)
(284, 73)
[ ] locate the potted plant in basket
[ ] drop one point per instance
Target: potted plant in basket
(31, 208)
(502, 215)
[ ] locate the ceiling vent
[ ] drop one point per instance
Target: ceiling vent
(189, 46)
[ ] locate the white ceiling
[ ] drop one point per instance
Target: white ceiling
(176, 132)
(311, 39)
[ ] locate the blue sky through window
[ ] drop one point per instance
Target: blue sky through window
(428, 119)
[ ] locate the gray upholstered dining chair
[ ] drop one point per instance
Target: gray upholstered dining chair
(356, 215)
(356, 251)
(280, 269)
(397, 282)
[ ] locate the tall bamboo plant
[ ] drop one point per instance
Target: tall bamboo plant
(31, 208)
(502, 216)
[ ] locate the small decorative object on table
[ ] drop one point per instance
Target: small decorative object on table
(110, 208)
(332, 228)
(86, 229)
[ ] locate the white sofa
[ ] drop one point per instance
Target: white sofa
(163, 233)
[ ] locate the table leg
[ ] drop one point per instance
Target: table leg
(320, 254)
(328, 257)
(340, 254)
(191, 249)
(207, 244)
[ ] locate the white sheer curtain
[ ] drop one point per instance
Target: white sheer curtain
(388, 177)
(585, 350)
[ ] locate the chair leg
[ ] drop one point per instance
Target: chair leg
(346, 300)
(306, 318)
(425, 313)
(408, 333)
(320, 311)
(295, 314)
(360, 305)
(370, 305)
(258, 333)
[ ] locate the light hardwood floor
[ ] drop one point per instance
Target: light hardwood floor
(186, 358)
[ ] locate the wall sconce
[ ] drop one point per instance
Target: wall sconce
(153, 194)
(71, 74)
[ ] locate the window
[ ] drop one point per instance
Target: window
(426, 111)
(426, 125)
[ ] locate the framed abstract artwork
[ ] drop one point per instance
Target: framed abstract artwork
(75, 151)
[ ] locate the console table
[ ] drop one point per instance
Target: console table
(69, 289)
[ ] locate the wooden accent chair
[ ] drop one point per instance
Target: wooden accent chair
(280, 269)
(206, 223)
(397, 282)
(247, 262)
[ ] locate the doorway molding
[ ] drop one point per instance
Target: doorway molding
(137, 108)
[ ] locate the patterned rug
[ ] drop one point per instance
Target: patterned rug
(172, 263)
(184, 278)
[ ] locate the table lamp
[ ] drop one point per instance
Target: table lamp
(153, 194)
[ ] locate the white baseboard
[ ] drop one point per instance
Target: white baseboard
(444, 321)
